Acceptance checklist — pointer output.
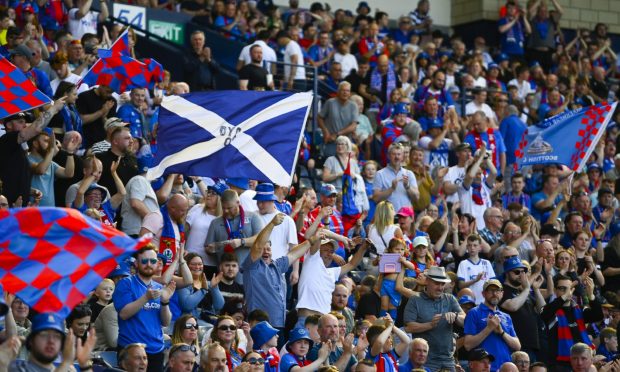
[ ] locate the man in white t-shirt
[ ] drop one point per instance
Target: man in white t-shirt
(294, 76)
(139, 200)
(82, 20)
(283, 237)
(479, 104)
(345, 58)
(269, 55)
(475, 191)
(456, 174)
(437, 145)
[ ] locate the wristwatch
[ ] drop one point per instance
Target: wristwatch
(242, 242)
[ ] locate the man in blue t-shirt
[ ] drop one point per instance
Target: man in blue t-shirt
(513, 29)
(488, 327)
(142, 306)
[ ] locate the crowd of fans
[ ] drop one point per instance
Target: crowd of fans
(455, 261)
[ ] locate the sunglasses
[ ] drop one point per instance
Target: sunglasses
(146, 261)
(519, 272)
(256, 361)
(227, 328)
(190, 326)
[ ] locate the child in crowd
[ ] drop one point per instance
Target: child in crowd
(390, 298)
(299, 343)
(382, 350)
(474, 271)
(265, 339)
(101, 297)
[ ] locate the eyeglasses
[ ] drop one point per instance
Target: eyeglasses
(182, 348)
(146, 261)
(519, 272)
(256, 361)
(190, 326)
(227, 328)
(562, 288)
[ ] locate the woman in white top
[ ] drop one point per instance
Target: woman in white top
(383, 228)
(197, 224)
(334, 166)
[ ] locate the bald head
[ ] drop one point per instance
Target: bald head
(508, 367)
(177, 207)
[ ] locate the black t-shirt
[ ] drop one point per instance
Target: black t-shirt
(525, 319)
(599, 88)
(383, 96)
(231, 292)
(255, 75)
(369, 304)
(14, 169)
(127, 169)
(612, 259)
(87, 103)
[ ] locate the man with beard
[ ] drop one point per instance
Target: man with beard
(44, 343)
(340, 299)
(253, 76)
(142, 306)
(265, 286)
(167, 226)
(436, 89)
(133, 358)
(230, 289)
(488, 327)
(120, 141)
(234, 231)
(340, 356)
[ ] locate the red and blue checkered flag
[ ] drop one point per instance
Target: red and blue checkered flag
(17, 92)
(121, 45)
(118, 71)
(51, 258)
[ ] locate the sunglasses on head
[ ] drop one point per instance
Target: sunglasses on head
(190, 326)
(145, 261)
(227, 328)
(183, 348)
(256, 361)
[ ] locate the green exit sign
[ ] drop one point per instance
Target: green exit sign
(174, 32)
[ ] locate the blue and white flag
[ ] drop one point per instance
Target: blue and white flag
(568, 138)
(224, 134)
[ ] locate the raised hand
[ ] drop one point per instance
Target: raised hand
(168, 291)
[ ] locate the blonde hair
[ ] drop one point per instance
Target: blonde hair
(384, 216)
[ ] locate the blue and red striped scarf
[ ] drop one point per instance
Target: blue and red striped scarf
(386, 362)
(565, 336)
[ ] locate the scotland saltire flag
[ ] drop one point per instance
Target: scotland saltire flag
(568, 138)
(350, 213)
(223, 134)
(52, 258)
(17, 92)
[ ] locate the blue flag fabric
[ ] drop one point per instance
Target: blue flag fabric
(52, 258)
(228, 134)
(568, 138)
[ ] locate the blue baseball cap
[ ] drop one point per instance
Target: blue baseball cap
(437, 123)
(122, 269)
(328, 189)
(513, 263)
(493, 65)
(45, 321)
(144, 163)
(502, 57)
(594, 166)
(298, 334)
(465, 299)
(400, 108)
(218, 187)
(261, 333)
(264, 192)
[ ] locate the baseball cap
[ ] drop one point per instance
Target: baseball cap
(114, 122)
(463, 146)
(493, 65)
(405, 212)
(513, 263)
(400, 108)
(420, 240)
(18, 116)
(549, 229)
(478, 354)
(21, 50)
(491, 282)
(328, 189)
(454, 89)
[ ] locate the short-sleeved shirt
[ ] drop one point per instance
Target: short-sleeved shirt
(494, 344)
(86, 24)
(140, 189)
(316, 284)
(199, 222)
(255, 75)
(252, 225)
(269, 55)
(468, 270)
(338, 116)
(421, 309)
(145, 325)
(14, 168)
(469, 206)
(265, 287)
(540, 214)
(282, 236)
(383, 181)
(293, 49)
(437, 157)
